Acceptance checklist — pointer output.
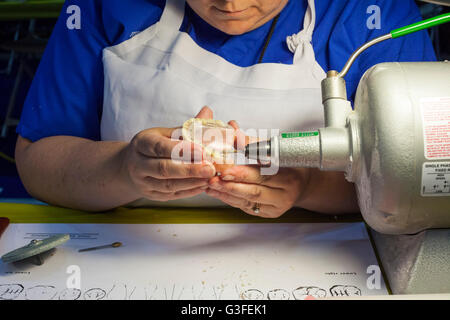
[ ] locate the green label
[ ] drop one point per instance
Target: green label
(299, 134)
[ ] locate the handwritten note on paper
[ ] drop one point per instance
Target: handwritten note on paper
(194, 261)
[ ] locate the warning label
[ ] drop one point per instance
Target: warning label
(436, 127)
(436, 179)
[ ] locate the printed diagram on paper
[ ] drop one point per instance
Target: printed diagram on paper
(194, 261)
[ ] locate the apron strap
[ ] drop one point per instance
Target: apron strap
(173, 14)
(300, 43)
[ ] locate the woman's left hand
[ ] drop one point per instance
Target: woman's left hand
(245, 188)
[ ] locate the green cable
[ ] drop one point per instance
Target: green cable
(397, 33)
(7, 158)
(425, 24)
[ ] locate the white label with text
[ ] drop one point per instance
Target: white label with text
(436, 179)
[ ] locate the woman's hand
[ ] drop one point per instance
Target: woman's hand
(244, 187)
(149, 168)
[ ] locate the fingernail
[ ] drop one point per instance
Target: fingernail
(228, 178)
(207, 172)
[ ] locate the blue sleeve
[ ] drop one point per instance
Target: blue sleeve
(394, 14)
(67, 91)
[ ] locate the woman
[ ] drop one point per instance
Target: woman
(94, 133)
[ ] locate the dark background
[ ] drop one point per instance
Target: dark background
(29, 51)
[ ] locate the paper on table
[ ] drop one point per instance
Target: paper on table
(194, 261)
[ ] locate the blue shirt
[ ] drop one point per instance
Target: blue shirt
(66, 95)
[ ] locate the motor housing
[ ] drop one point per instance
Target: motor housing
(400, 142)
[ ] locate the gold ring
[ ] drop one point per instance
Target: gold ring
(256, 207)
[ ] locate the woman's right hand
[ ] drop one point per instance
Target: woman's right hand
(150, 169)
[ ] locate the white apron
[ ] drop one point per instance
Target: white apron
(161, 78)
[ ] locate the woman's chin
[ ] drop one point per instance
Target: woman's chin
(233, 27)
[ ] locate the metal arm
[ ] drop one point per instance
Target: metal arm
(432, 22)
(360, 50)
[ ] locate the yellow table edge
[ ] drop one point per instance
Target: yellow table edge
(30, 10)
(26, 213)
